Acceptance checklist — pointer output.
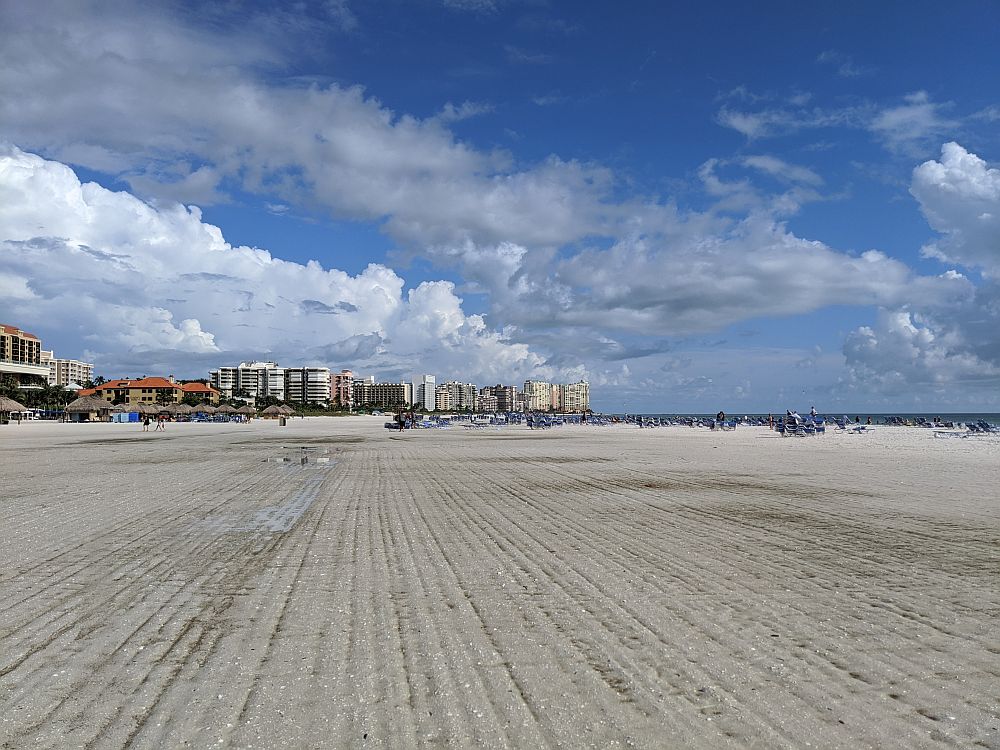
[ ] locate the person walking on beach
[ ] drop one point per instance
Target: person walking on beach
(145, 423)
(159, 425)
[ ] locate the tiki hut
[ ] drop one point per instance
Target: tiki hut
(247, 411)
(9, 406)
(204, 409)
(287, 409)
(272, 412)
(88, 409)
(224, 409)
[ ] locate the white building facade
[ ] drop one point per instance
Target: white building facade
(423, 392)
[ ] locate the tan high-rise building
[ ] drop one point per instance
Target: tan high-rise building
(21, 357)
(537, 395)
(576, 396)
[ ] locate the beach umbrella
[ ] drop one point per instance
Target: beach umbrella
(9, 405)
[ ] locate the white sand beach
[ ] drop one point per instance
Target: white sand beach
(580, 587)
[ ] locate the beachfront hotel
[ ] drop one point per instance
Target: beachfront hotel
(341, 389)
(66, 371)
(455, 396)
(21, 357)
(307, 385)
(540, 395)
(250, 381)
(253, 381)
(151, 391)
(424, 393)
(368, 393)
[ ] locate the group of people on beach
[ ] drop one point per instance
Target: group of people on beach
(160, 423)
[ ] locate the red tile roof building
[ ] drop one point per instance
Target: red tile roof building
(152, 391)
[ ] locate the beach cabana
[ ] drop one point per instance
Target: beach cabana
(9, 406)
(272, 412)
(247, 411)
(287, 410)
(225, 409)
(88, 409)
(204, 409)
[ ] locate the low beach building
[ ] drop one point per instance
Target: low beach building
(139, 391)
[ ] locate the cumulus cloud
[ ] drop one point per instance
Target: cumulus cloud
(957, 342)
(202, 121)
(110, 273)
(905, 351)
(960, 197)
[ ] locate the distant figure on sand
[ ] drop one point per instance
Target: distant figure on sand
(721, 416)
(145, 423)
(812, 411)
(159, 424)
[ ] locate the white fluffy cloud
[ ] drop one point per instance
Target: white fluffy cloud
(956, 341)
(140, 285)
(201, 119)
(960, 196)
(906, 352)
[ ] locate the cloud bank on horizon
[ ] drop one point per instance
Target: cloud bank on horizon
(503, 265)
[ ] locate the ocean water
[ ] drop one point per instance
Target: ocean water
(992, 418)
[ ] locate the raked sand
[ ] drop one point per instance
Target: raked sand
(579, 587)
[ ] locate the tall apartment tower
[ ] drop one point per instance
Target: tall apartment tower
(423, 392)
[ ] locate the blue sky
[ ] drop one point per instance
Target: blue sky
(722, 205)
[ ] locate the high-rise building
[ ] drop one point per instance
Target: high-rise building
(20, 357)
(307, 385)
(342, 389)
(506, 396)
(537, 395)
(543, 396)
(369, 394)
(442, 398)
(251, 381)
(66, 371)
(576, 396)
(423, 392)
(461, 396)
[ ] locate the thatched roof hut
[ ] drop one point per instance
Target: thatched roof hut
(87, 407)
(273, 411)
(7, 405)
(204, 409)
(248, 410)
(287, 409)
